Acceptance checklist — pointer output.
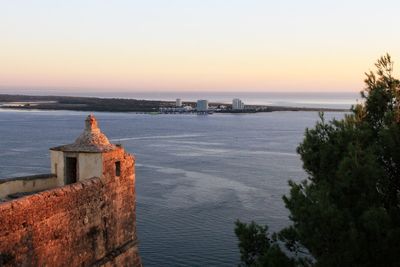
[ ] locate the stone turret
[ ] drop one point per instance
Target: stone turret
(92, 140)
(84, 158)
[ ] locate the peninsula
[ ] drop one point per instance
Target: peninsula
(29, 102)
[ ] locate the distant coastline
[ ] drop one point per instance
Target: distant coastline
(30, 102)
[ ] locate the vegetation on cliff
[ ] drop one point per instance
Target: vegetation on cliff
(347, 213)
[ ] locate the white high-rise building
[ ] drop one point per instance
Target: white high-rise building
(202, 105)
(178, 102)
(237, 104)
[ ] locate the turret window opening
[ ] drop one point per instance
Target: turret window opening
(71, 170)
(118, 168)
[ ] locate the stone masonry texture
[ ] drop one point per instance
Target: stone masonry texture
(89, 223)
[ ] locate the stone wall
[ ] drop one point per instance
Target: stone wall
(26, 184)
(89, 223)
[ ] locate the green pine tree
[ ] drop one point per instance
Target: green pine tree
(347, 213)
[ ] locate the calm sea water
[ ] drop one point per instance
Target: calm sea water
(195, 174)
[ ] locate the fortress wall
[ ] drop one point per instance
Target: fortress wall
(89, 223)
(27, 184)
(124, 187)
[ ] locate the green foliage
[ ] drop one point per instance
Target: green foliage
(347, 213)
(257, 248)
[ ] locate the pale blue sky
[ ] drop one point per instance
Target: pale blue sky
(194, 45)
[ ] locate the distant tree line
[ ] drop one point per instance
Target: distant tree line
(87, 103)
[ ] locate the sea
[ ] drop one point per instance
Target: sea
(195, 174)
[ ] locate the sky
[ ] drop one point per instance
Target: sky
(194, 45)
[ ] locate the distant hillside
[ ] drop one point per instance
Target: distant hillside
(84, 103)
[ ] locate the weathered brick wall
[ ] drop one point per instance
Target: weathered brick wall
(90, 223)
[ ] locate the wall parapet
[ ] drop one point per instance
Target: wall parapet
(28, 178)
(19, 186)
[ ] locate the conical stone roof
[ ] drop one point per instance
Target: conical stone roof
(92, 140)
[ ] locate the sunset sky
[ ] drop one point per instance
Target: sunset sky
(202, 45)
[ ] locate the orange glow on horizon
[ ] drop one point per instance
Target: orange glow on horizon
(60, 67)
(201, 45)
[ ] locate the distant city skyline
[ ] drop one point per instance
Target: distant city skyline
(187, 45)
